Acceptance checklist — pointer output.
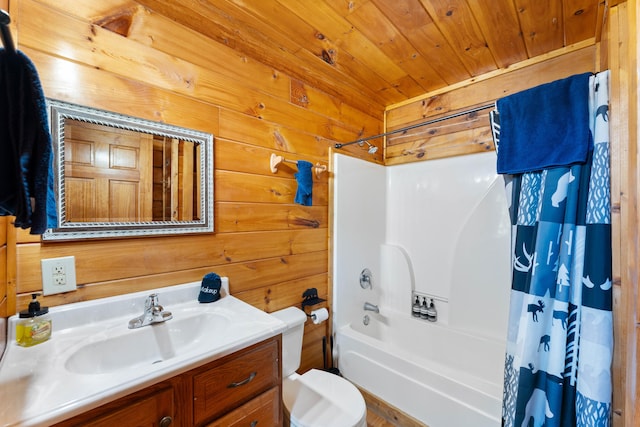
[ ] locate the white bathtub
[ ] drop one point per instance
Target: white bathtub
(439, 228)
(440, 376)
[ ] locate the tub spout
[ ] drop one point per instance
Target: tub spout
(370, 307)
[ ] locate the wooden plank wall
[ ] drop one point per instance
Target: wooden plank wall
(151, 67)
(3, 266)
(470, 133)
(622, 57)
(4, 300)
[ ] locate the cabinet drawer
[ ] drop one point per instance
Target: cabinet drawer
(232, 383)
(263, 411)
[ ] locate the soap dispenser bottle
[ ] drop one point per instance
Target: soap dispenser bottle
(415, 309)
(34, 324)
(424, 308)
(432, 314)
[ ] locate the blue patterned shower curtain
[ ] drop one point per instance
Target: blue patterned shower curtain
(560, 337)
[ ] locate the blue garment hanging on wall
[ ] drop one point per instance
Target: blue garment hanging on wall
(560, 335)
(26, 167)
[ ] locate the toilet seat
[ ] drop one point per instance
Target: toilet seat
(318, 398)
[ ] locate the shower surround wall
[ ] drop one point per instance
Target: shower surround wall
(439, 228)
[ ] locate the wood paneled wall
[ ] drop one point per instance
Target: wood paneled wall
(141, 64)
(471, 133)
(4, 303)
(3, 267)
(622, 57)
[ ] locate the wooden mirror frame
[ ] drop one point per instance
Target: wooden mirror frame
(60, 111)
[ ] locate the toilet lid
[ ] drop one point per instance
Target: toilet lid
(318, 398)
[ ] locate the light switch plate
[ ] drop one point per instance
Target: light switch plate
(58, 275)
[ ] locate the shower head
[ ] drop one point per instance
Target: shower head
(372, 149)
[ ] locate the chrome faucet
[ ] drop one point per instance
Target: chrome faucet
(153, 313)
(370, 307)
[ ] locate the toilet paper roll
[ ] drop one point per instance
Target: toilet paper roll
(319, 315)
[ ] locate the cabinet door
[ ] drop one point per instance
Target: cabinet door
(154, 410)
(263, 411)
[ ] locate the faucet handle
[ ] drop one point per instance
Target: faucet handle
(151, 301)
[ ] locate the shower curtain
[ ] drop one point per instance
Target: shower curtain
(560, 336)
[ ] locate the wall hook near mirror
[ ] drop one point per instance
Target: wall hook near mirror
(275, 161)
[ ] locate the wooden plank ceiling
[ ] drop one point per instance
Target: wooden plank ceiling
(376, 53)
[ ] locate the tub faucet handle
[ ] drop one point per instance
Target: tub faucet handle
(365, 279)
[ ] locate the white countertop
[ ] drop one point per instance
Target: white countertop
(40, 385)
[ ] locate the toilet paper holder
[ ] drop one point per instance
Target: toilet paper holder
(310, 298)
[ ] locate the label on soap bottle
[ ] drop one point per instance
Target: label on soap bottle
(33, 332)
(40, 331)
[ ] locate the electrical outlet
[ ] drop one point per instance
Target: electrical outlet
(58, 275)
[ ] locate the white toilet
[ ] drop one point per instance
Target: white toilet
(315, 398)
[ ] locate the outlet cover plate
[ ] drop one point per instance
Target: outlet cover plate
(58, 275)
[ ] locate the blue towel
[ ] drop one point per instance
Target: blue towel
(26, 168)
(305, 183)
(545, 126)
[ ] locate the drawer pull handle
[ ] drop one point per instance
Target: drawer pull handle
(243, 382)
(166, 421)
(254, 423)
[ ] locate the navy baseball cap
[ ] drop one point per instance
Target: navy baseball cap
(210, 288)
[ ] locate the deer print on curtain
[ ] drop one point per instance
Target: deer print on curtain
(560, 339)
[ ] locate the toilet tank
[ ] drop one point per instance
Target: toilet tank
(291, 338)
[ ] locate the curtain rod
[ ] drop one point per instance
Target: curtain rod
(404, 129)
(7, 41)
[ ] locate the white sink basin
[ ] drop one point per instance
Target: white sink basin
(130, 348)
(93, 357)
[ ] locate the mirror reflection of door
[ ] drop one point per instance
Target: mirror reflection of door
(119, 175)
(107, 173)
(174, 175)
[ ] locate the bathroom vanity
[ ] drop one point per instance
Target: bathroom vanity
(216, 364)
(240, 389)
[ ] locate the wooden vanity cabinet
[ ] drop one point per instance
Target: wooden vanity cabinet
(241, 389)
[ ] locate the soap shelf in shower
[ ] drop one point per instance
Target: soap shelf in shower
(415, 294)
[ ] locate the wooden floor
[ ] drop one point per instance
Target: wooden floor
(381, 414)
(375, 420)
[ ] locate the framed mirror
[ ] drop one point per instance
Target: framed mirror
(119, 176)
